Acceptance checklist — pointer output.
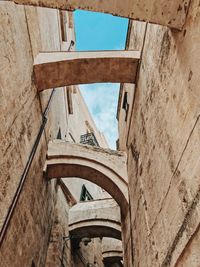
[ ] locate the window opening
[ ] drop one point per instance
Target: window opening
(59, 136)
(85, 195)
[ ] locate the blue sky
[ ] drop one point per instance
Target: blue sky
(97, 31)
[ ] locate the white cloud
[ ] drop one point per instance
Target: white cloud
(102, 102)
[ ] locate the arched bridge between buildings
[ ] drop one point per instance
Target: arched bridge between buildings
(98, 218)
(57, 69)
(167, 13)
(112, 251)
(104, 167)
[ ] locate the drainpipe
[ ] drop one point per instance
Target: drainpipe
(25, 172)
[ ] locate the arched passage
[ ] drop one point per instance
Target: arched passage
(57, 69)
(113, 258)
(98, 218)
(112, 252)
(104, 167)
(96, 228)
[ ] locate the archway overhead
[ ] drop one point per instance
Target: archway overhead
(110, 244)
(112, 251)
(57, 69)
(113, 258)
(104, 167)
(98, 218)
(170, 13)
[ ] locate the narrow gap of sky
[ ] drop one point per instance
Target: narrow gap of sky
(97, 31)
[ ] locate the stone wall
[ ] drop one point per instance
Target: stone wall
(35, 233)
(59, 249)
(88, 255)
(24, 31)
(162, 141)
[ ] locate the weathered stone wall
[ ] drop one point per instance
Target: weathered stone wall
(40, 217)
(59, 249)
(127, 241)
(88, 255)
(163, 145)
(21, 38)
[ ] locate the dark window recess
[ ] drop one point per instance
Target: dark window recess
(125, 104)
(89, 139)
(33, 264)
(117, 144)
(59, 136)
(85, 195)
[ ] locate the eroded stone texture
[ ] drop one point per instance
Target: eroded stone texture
(56, 69)
(190, 255)
(88, 255)
(20, 119)
(167, 13)
(162, 145)
(59, 246)
(18, 131)
(35, 234)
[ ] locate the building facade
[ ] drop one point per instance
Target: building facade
(37, 233)
(158, 128)
(149, 215)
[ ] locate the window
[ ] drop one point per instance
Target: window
(85, 195)
(125, 105)
(117, 144)
(33, 264)
(59, 136)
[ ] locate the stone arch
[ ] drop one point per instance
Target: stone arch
(112, 251)
(57, 69)
(97, 218)
(104, 167)
(113, 258)
(96, 228)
